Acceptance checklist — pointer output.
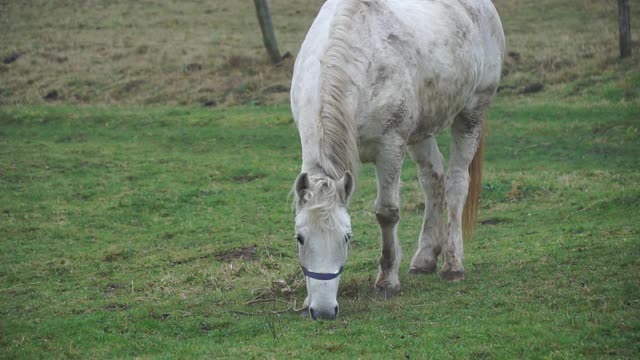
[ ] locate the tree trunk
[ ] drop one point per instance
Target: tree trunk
(268, 36)
(624, 24)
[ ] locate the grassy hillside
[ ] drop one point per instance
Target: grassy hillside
(210, 53)
(167, 232)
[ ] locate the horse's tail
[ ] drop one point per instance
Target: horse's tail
(471, 205)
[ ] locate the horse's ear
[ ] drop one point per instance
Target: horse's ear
(302, 184)
(346, 185)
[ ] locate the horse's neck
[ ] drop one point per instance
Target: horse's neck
(330, 133)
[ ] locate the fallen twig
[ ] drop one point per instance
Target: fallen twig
(258, 301)
(300, 309)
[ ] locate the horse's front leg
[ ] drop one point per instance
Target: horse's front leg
(387, 208)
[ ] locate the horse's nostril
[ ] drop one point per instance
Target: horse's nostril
(312, 313)
(336, 311)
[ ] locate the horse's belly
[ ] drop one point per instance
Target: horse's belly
(426, 128)
(368, 150)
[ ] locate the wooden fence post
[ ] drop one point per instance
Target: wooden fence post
(624, 26)
(268, 36)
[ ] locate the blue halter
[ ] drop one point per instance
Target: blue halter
(321, 276)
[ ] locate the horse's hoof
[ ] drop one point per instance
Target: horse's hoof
(452, 275)
(422, 271)
(387, 291)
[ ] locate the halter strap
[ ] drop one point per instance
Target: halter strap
(321, 276)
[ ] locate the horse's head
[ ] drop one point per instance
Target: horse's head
(323, 231)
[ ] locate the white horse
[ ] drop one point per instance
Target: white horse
(373, 79)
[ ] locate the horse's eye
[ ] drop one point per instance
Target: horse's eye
(300, 239)
(347, 238)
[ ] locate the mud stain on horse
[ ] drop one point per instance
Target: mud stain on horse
(392, 37)
(397, 117)
(382, 75)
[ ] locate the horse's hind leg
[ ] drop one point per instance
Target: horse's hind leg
(465, 138)
(431, 174)
(387, 207)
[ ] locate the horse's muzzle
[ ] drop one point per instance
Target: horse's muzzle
(324, 314)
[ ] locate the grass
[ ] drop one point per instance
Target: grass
(206, 53)
(144, 232)
(139, 53)
(135, 222)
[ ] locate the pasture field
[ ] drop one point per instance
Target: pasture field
(147, 154)
(168, 233)
(210, 52)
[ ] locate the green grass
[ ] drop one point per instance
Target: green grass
(143, 232)
(130, 230)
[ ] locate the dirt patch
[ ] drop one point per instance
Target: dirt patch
(11, 58)
(116, 307)
(532, 88)
(206, 327)
(52, 95)
(514, 55)
(241, 253)
(193, 67)
(494, 221)
(246, 178)
(111, 288)
(208, 103)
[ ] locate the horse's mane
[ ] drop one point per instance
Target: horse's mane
(339, 139)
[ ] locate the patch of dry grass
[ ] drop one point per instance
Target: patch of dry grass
(210, 53)
(558, 42)
(144, 52)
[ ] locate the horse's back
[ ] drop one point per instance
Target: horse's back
(440, 30)
(414, 63)
(430, 60)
